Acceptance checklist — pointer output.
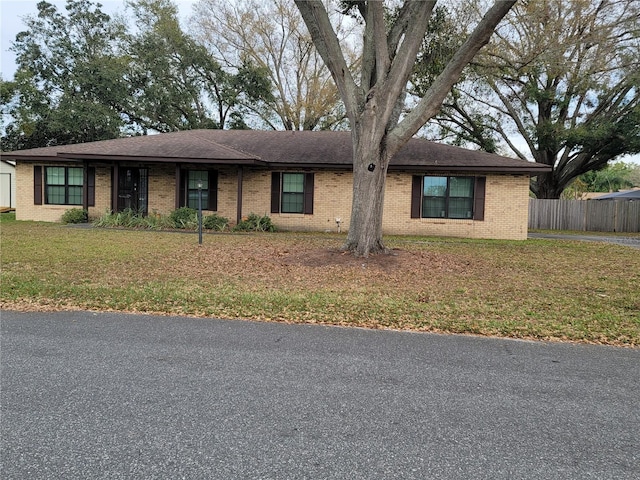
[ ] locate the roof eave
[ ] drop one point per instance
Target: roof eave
(80, 157)
(154, 159)
(522, 170)
(35, 158)
(309, 165)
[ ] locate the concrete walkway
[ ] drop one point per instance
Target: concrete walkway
(591, 237)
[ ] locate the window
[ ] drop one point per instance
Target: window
(292, 192)
(188, 194)
(63, 185)
(448, 197)
(195, 177)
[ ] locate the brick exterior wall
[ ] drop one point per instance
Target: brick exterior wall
(506, 202)
(506, 207)
(162, 188)
(103, 192)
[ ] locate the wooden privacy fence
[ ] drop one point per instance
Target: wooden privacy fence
(585, 215)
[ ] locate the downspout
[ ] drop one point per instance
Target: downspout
(239, 201)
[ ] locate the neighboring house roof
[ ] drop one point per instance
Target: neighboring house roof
(319, 149)
(625, 195)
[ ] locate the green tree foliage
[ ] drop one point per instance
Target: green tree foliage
(68, 78)
(177, 83)
(610, 178)
(560, 86)
(456, 125)
(84, 76)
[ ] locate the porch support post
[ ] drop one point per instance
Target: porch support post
(178, 184)
(85, 185)
(239, 201)
(114, 186)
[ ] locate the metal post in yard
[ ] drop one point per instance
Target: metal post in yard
(199, 212)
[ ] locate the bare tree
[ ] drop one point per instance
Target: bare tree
(270, 34)
(375, 101)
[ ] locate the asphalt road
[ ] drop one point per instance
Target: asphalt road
(91, 396)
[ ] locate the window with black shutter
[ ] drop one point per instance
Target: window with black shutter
(292, 192)
(63, 185)
(454, 197)
(189, 191)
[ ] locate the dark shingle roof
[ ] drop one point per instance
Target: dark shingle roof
(188, 145)
(325, 149)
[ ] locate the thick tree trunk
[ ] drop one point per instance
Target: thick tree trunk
(547, 187)
(369, 179)
(374, 106)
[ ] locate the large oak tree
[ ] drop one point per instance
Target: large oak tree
(69, 75)
(375, 99)
(560, 85)
(83, 75)
(177, 84)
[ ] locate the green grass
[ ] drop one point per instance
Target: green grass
(537, 289)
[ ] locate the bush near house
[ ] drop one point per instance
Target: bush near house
(215, 222)
(75, 215)
(183, 218)
(255, 223)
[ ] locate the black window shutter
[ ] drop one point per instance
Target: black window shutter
(478, 198)
(91, 186)
(308, 194)
(275, 192)
(37, 185)
(213, 191)
(416, 196)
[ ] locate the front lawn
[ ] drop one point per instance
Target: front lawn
(540, 289)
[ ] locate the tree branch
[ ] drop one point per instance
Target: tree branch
(430, 103)
(383, 60)
(324, 38)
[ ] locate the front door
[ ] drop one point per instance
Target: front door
(133, 189)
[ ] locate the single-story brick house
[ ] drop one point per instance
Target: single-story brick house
(302, 180)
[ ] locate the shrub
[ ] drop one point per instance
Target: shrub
(75, 215)
(128, 218)
(184, 217)
(215, 222)
(156, 221)
(105, 220)
(255, 223)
